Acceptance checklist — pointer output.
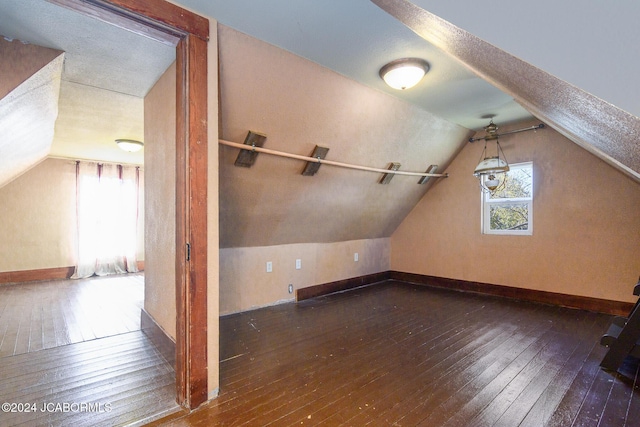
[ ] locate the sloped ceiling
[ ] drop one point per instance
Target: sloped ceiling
(470, 80)
(91, 118)
(28, 106)
(586, 43)
(598, 126)
(19, 61)
(355, 39)
(338, 100)
(298, 105)
(107, 71)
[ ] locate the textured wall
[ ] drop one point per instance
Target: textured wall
(270, 212)
(38, 218)
(160, 297)
(160, 235)
(19, 61)
(38, 213)
(245, 283)
(585, 225)
(299, 104)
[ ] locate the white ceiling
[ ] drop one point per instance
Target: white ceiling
(354, 38)
(588, 43)
(591, 44)
(97, 54)
(107, 72)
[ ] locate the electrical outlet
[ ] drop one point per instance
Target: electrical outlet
(290, 289)
(298, 264)
(355, 257)
(269, 266)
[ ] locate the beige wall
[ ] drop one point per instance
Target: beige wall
(160, 217)
(246, 284)
(19, 61)
(585, 224)
(38, 218)
(270, 212)
(160, 297)
(160, 201)
(28, 112)
(38, 212)
(298, 105)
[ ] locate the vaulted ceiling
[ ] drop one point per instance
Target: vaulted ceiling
(514, 62)
(103, 75)
(29, 93)
(600, 127)
(355, 39)
(298, 104)
(575, 73)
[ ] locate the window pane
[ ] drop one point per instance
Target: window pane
(518, 183)
(509, 217)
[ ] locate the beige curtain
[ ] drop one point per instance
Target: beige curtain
(107, 218)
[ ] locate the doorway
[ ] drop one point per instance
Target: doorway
(188, 33)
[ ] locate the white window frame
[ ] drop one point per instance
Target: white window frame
(487, 202)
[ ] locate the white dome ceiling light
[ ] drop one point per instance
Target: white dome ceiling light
(404, 73)
(130, 145)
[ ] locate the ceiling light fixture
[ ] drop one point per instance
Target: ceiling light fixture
(129, 145)
(404, 73)
(491, 171)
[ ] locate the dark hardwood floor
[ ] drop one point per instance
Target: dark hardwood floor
(72, 353)
(395, 354)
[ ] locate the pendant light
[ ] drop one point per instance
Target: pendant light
(492, 170)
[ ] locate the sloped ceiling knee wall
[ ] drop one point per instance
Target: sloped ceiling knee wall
(298, 105)
(28, 105)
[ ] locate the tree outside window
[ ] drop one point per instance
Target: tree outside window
(509, 210)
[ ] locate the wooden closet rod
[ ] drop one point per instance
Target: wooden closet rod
(326, 162)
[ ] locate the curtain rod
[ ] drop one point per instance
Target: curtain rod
(74, 159)
(540, 126)
(326, 162)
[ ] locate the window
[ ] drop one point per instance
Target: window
(510, 210)
(107, 209)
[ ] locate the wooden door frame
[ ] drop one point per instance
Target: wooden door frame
(189, 33)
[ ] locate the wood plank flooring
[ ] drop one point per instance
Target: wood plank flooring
(40, 315)
(81, 359)
(124, 379)
(395, 354)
